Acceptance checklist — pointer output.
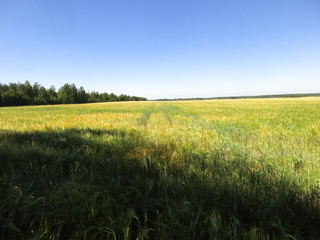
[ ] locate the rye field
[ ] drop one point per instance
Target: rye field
(211, 169)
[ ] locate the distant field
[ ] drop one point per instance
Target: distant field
(211, 169)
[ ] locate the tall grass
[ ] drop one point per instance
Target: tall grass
(231, 169)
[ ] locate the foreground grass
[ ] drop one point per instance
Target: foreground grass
(231, 169)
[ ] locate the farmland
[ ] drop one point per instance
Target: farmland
(211, 169)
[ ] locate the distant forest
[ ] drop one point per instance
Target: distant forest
(20, 94)
(292, 95)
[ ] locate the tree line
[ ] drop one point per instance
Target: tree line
(20, 94)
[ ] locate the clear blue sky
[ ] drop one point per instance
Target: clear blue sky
(163, 48)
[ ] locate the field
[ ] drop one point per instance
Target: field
(214, 169)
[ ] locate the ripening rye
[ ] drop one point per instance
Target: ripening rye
(211, 169)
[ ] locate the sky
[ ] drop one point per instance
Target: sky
(163, 48)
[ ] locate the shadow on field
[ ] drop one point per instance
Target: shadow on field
(100, 184)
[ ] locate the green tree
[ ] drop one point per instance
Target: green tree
(104, 97)
(82, 95)
(123, 97)
(35, 89)
(53, 96)
(93, 97)
(68, 94)
(43, 97)
(112, 97)
(16, 94)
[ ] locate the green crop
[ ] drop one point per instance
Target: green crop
(213, 169)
